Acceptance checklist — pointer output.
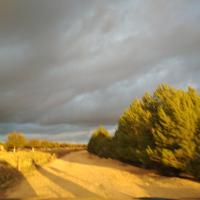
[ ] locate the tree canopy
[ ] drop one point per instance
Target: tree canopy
(162, 129)
(15, 140)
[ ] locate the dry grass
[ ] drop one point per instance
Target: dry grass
(26, 160)
(14, 165)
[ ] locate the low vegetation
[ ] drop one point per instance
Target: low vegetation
(19, 155)
(100, 143)
(8, 175)
(157, 131)
(14, 165)
(26, 160)
(17, 141)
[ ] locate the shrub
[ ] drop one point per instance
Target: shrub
(100, 142)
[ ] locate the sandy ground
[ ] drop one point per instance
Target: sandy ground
(81, 175)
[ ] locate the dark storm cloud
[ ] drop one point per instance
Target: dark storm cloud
(82, 62)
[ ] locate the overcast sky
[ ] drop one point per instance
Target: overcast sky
(67, 66)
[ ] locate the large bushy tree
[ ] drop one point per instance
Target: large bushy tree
(162, 130)
(134, 133)
(174, 127)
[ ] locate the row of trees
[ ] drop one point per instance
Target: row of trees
(17, 140)
(160, 130)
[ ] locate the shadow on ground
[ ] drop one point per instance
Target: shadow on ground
(68, 185)
(9, 177)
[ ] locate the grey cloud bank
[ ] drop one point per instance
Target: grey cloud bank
(68, 66)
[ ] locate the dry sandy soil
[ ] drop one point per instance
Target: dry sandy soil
(81, 175)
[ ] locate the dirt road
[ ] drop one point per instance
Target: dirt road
(83, 176)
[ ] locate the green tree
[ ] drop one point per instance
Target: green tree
(174, 127)
(134, 133)
(15, 140)
(195, 163)
(160, 130)
(100, 143)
